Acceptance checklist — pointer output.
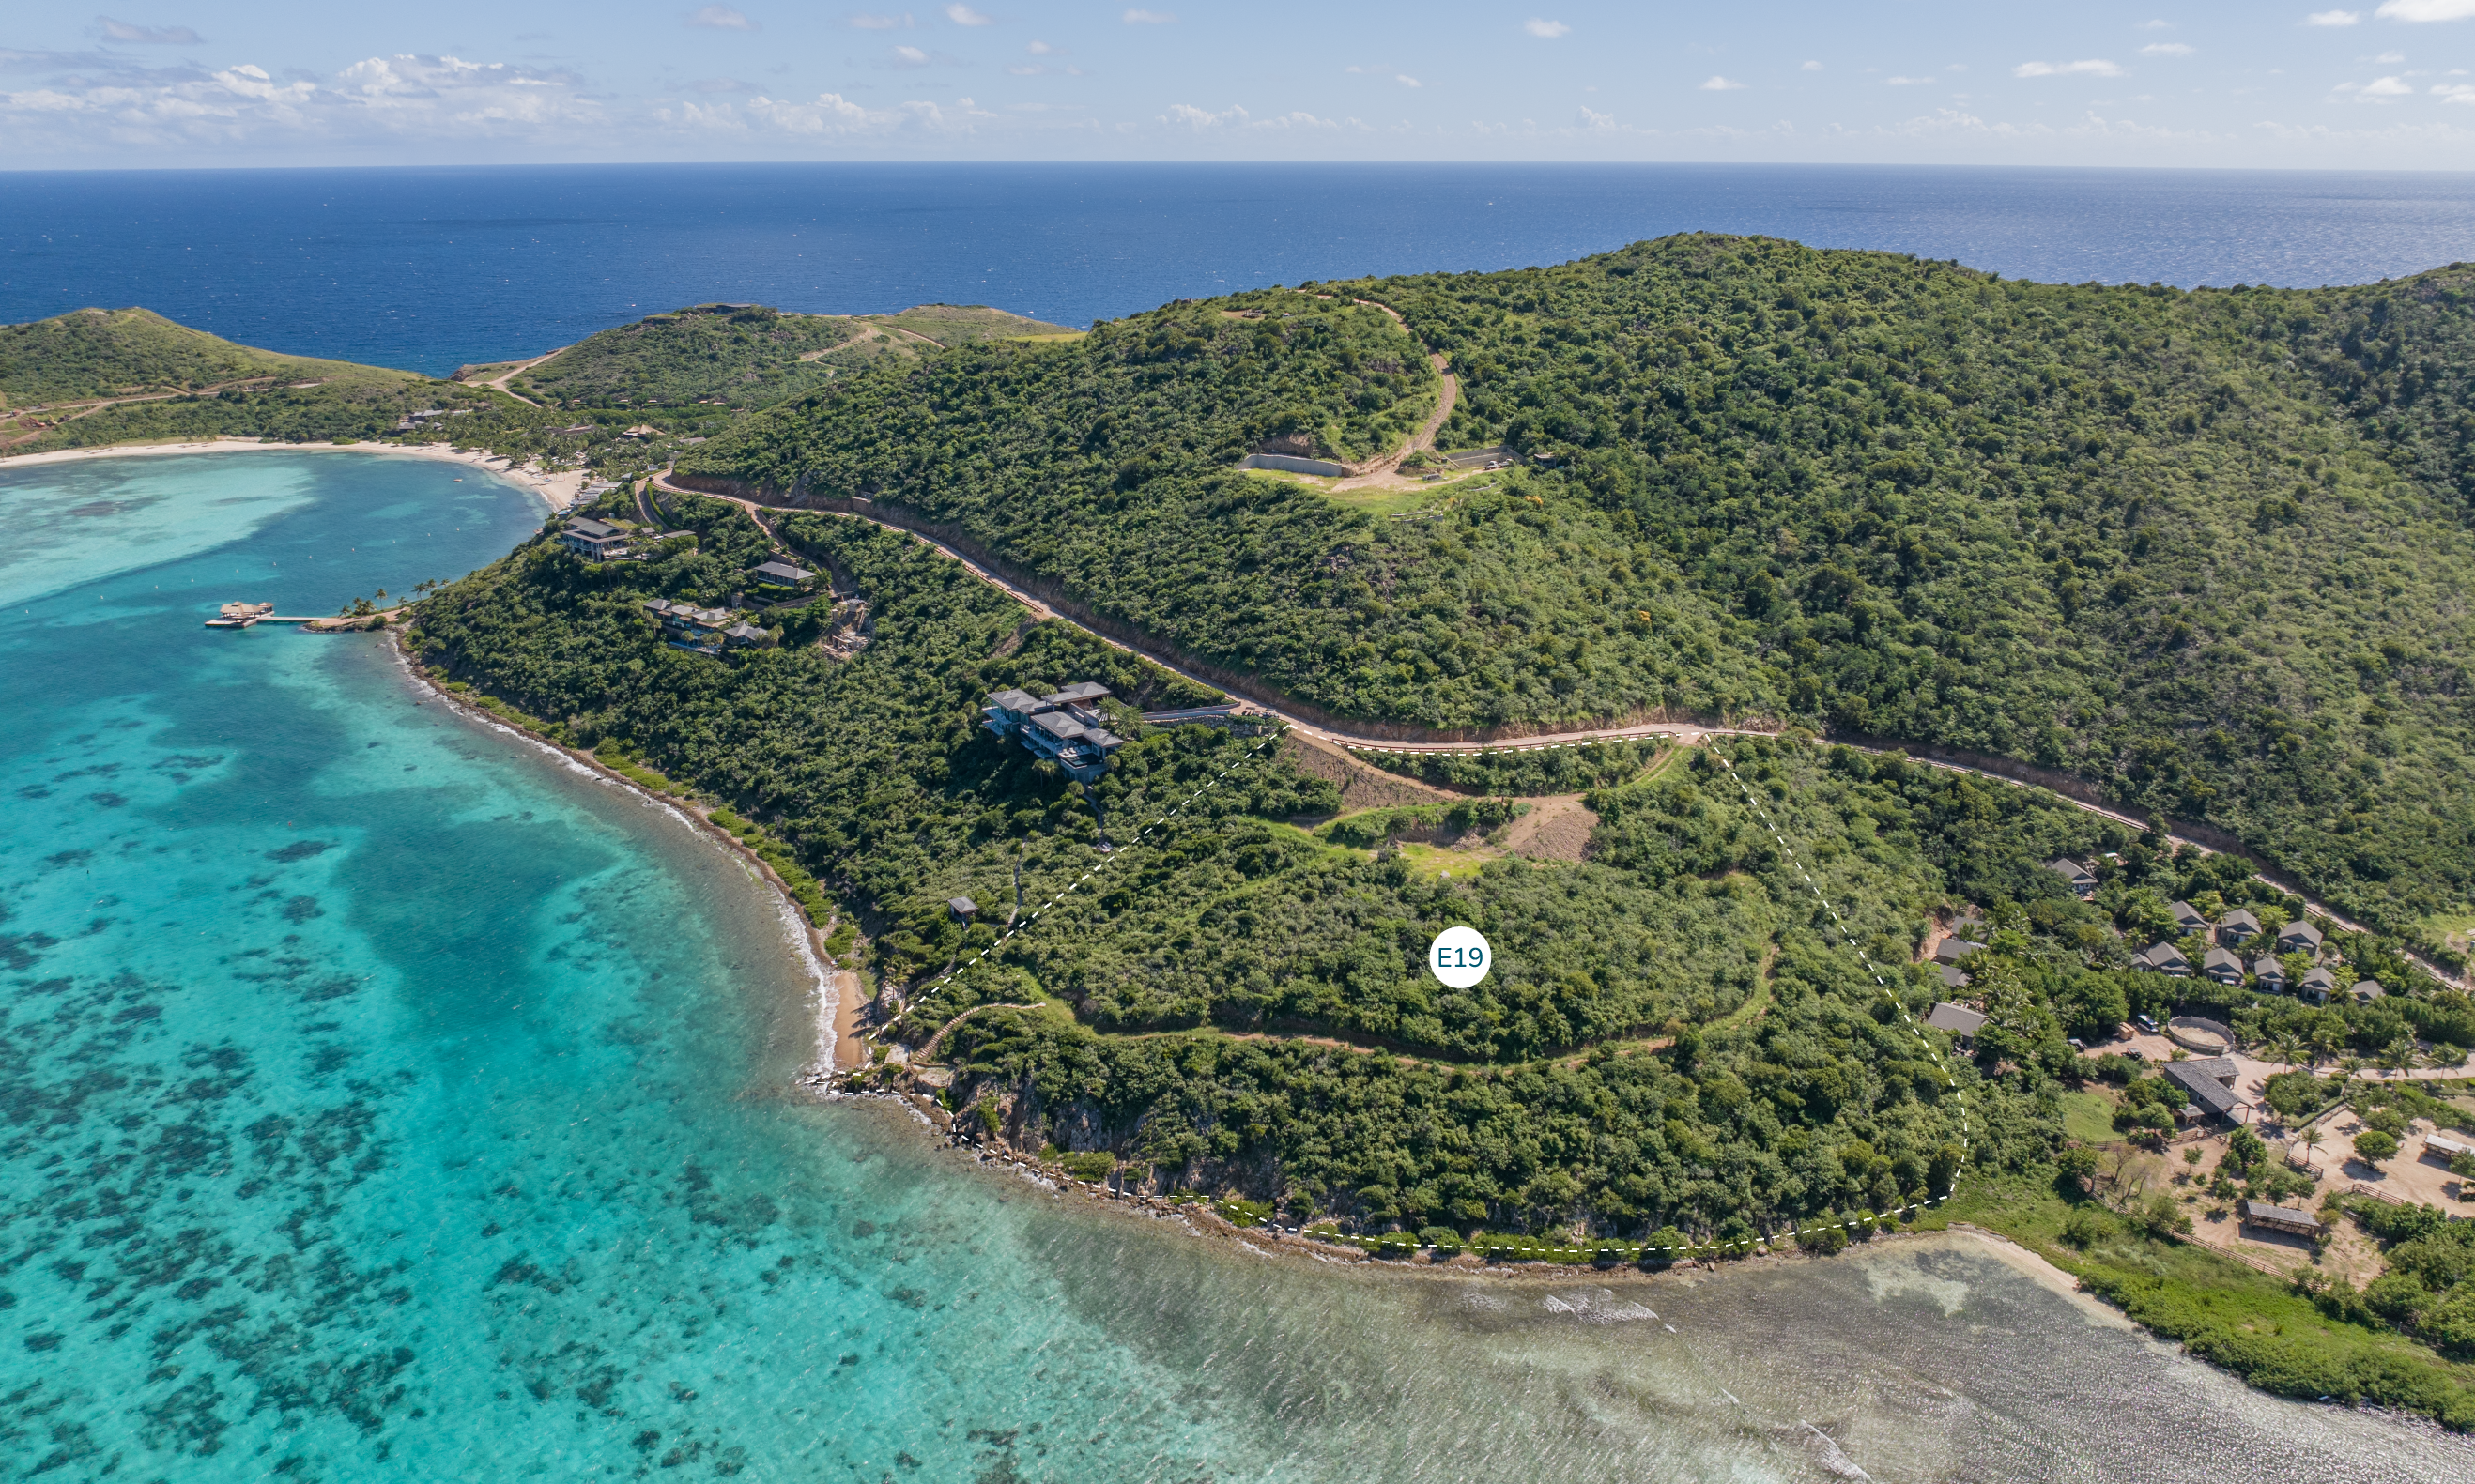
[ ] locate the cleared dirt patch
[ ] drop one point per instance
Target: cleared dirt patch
(1360, 787)
(1556, 828)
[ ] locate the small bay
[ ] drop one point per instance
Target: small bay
(382, 1098)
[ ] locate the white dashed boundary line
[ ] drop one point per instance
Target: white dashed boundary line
(1024, 926)
(1850, 938)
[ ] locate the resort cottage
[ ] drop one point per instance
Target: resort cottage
(2270, 973)
(2317, 986)
(2366, 990)
(2237, 928)
(2223, 966)
(2298, 938)
(2081, 880)
(2163, 959)
(2188, 918)
(1951, 950)
(1957, 1019)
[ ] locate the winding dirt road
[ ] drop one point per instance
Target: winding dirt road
(1682, 733)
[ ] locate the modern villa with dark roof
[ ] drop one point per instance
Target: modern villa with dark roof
(1064, 727)
(779, 573)
(595, 541)
(2082, 879)
(2222, 964)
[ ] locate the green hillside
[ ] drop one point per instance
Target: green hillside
(1675, 1044)
(2202, 549)
(748, 355)
(127, 353)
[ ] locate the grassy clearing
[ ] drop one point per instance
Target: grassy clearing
(2088, 1117)
(1431, 862)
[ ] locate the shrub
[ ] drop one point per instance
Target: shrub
(1443, 1239)
(2084, 1228)
(2372, 1146)
(2162, 1217)
(1094, 1165)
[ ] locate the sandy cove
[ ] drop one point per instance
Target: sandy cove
(558, 491)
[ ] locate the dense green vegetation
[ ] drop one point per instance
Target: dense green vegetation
(126, 352)
(2198, 547)
(743, 355)
(1676, 1048)
(2195, 546)
(748, 355)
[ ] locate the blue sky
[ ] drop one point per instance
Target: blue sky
(2372, 85)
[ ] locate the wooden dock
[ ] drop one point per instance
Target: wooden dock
(245, 614)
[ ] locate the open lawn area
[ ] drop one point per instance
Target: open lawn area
(2088, 1117)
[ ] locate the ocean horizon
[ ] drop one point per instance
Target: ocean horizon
(429, 268)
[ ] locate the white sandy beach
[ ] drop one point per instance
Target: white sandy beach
(558, 491)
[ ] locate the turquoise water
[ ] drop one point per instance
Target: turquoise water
(381, 1100)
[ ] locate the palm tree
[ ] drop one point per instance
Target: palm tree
(2311, 1142)
(2397, 1056)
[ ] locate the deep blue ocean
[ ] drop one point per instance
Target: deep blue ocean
(427, 269)
(382, 1099)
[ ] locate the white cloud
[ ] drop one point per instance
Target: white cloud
(2092, 68)
(2154, 25)
(1908, 82)
(2384, 57)
(148, 36)
(900, 22)
(1406, 81)
(910, 57)
(2388, 88)
(2425, 10)
(1546, 30)
(1715, 83)
(1595, 121)
(1148, 18)
(379, 98)
(1202, 119)
(1040, 49)
(2454, 92)
(2165, 49)
(965, 15)
(833, 114)
(2332, 18)
(721, 17)
(1810, 67)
